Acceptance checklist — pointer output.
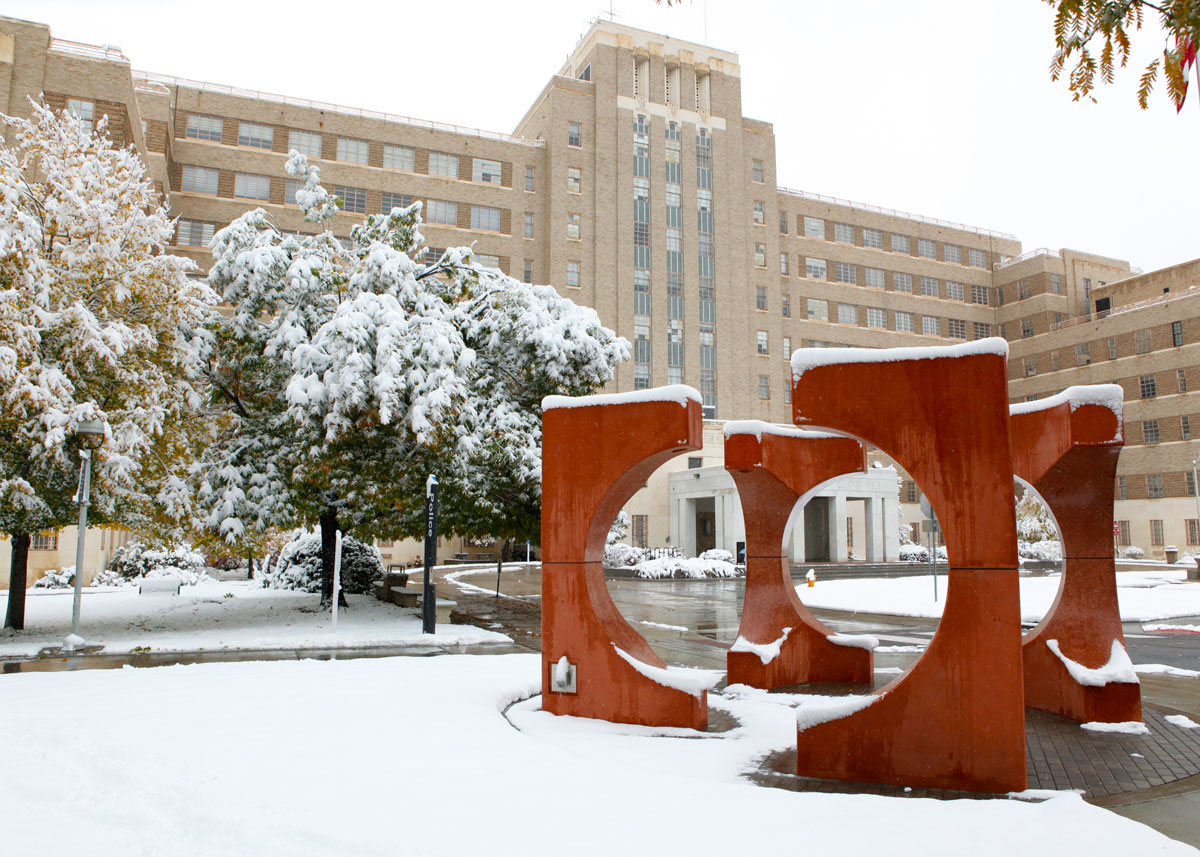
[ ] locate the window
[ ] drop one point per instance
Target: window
(573, 274)
(485, 218)
(439, 211)
(904, 321)
(764, 387)
(1123, 534)
(760, 256)
(1193, 531)
(814, 227)
(389, 200)
(249, 186)
(787, 347)
(290, 187)
(1056, 284)
(760, 298)
(194, 233)
(1177, 333)
(304, 142)
(1053, 361)
(200, 127)
(1024, 290)
(256, 136)
(1154, 486)
(529, 224)
(44, 542)
(441, 164)
(483, 170)
(1181, 380)
(953, 253)
(847, 314)
(873, 277)
(845, 273)
(876, 317)
(818, 310)
(979, 295)
(199, 180)
(843, 232)
(981, 330)
(527, 275)
(85, 112)
(353, 198)
(783, 223)
(1150, 431)
(1143, 342)
(1112, 348)
(1147, 387)
(573, 226)
(977, 258)
(901, 244)
(1185, 428)
(756, 170)
(787, 305)
(1122, 490)
(353, 150)
(872, 238)
(954, 291)
(814, 269)
(783, 265)
(902, 282)
(957, 328)
(487, 261)
(1082, 357)
(1189, 481)
(574, 134)
(404, 158)
(760, 216)
(638, 531)
(1156, 533)
(574, 180)
(926, 248)
(909, 492)
(433, 255)
(529, 173)
(1026, 327)
(761, 343)
(930, 326)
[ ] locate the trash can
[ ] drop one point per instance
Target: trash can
(1172, 554)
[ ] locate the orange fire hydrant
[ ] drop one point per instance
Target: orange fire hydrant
(811, 577)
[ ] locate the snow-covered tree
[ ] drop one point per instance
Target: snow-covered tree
(97, 321)
(1034, 522)
(348, 374)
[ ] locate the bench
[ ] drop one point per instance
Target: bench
(159, 586)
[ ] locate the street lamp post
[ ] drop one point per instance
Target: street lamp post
(91, 437)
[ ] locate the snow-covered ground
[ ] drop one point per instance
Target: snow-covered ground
(1143, 596)
(221, 615)
(414, 756)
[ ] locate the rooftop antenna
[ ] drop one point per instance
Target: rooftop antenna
(610, 13)
(706, 22)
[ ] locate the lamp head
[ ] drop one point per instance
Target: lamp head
(91, 433)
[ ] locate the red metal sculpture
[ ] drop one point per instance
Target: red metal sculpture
(779, 641)
(956, 719)
(1075, 661)
(596, 452)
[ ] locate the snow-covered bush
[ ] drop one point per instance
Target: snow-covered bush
(718, 554)
(619, 528)
(678, 566)
(136, 560)
(1046, 550)
(620, 555)
(299, 566)
(913, 553)
(108, 577)
(56, 578)
(1132, 552)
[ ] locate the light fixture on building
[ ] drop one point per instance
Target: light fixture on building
(91, 437)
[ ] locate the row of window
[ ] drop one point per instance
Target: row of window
(877, 278)
(1155, 485)
(1191, 533)
(864, 236)
(352, 150)
(1151, 433)
(930, 325)
(1143, 341)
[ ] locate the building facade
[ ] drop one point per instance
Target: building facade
(635, 185)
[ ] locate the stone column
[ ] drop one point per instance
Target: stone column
(837, 528)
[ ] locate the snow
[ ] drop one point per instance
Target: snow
(687, 567)
(804, 359)
(766, 652)
(1126, 727)
(204, 618)
(562, 671)
(1119, 668)
(691, 681)
(1172, 628)
(758, 428)
(1182, 721)
(1164, 669)
(172, 771)
(899, 649)
(1143, 596)
(856, 641)
(681, 394)
(661, 625)
(1109, 396)
(72, 642)
(813, 710)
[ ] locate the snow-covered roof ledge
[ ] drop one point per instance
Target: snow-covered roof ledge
(758, 428)
(680, 394)
(1118, 670)
(810, 358)
(814, 710)
(690, 681)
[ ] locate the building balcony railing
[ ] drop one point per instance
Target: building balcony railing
(1008, 261)
(1169, 298)
(891, 212)
(100, 52)
(238, 92)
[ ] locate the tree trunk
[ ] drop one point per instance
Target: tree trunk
(329, 526)
(249, 565)
(17, 577)
(506, 550)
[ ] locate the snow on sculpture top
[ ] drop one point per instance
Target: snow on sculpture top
(680, 394)
(758, 428)
(809, 358)
(1110, 396)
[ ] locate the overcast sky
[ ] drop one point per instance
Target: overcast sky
(939, 107)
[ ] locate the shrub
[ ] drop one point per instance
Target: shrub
(58, 578)
(619, 555)
(1045, 550)
(299, 566)
(717, 554)
(1132, 552)
(136, 560)
(682, 567)
(913, 553)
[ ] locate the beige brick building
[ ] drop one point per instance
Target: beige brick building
(635, 185)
